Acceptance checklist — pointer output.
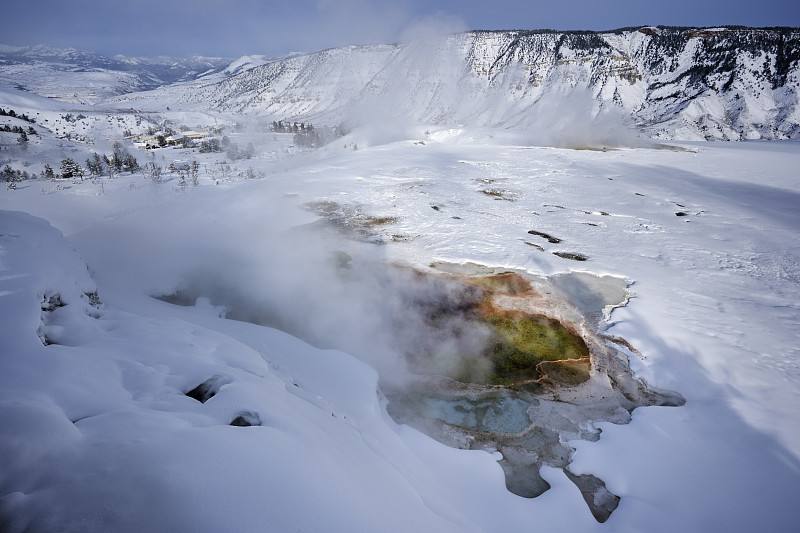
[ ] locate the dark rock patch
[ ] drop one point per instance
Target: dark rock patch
(600, 500)
(206, 390)
(572, 255)
(550, 238)
(246, 419)
(50, 302)
(499, 194)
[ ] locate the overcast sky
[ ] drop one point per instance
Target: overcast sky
(231, 28)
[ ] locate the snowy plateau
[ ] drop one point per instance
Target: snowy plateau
(493, 281)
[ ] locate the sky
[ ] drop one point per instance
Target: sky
(232, 28)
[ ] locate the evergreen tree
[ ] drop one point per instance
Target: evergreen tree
(70, 169)
(7, 174)
(113, 170)
(129, 163)
(153, 171)
(95, 165)
(193, 170)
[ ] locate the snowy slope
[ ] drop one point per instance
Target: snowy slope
(673, 83)
(83, 77)
(98, 433)
(143, 387)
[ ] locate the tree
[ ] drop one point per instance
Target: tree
(70, 169)
(129, 163)
(7, 174)
(249, 151)
(121, 160)
(113, 170)
(95, 165)
(153, 171)
(193, 170)
(22, 140)
(211, 145)
(48, 173)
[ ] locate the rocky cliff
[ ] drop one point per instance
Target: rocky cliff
(672, 83)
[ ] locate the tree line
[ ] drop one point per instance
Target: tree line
(307, 136)
(12, 113)
(18, 129)
(279, 127)
(119, 161)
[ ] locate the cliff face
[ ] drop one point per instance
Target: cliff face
(672, 83)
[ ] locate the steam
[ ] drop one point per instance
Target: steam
(380, 313)
(431, 26)
(418, 86)
(269, 263)
(574, 120)
(429, 81)
(346, 22)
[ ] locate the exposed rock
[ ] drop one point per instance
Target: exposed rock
(246, 419)
(688, 83)
(572, 255)
(600, 500)
(207, 389)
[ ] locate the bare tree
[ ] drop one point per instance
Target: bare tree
(153, 171)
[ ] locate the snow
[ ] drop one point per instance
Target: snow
(97, 432)
(245, 63)
(672, 87)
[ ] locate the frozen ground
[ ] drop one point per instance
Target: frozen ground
(97, 434)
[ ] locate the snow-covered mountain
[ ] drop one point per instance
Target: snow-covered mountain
(677, 83)
(672, 83)
(84, 77)
(441, 320)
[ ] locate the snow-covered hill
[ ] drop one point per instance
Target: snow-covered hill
(84, 77)
(242, 332)
(102, 428)
(672, 83)
(727, 83)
